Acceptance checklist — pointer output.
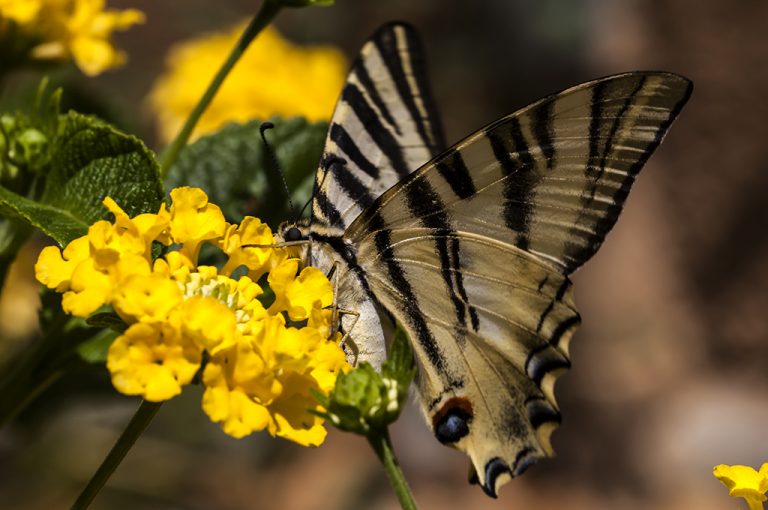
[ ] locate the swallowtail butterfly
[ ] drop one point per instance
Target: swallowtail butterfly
(470, 248)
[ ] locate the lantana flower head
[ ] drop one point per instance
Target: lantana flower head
(259, 364)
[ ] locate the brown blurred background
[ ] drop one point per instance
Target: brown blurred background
(670, 372)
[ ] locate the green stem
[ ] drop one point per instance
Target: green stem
(266, 14)
(137, 425)
(379, 441)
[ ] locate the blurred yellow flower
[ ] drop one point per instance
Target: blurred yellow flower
(273, 77)
(64, 29)
(20, 11)
(260, 371)
(745, 482)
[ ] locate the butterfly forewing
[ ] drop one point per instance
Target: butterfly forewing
(551, 178)
(470, 253)
(384, 127)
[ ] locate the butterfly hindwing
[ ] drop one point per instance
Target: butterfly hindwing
(383, 128)
(470, 253)
(489, 342)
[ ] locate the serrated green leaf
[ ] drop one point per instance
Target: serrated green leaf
(60, 224)
(235, 171)
(89, 160)
(93, 160)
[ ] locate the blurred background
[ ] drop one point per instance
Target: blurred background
(670, 367)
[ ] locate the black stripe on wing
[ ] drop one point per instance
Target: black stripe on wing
(326, 208)
(542, 131)
(348, 181)
(425, 204)
(372, 124)
(385, 123)
(451, 166)
(598, 159)
(383, 242)
(511, 151)
(579, 255)
(401, 50)
(344, 141)
(680, 89)
(361, 72)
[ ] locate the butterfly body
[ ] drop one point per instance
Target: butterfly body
(361, 316)
(470, 248)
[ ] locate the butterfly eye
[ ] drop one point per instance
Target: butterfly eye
(293, 234)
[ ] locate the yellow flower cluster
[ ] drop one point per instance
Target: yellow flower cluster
(258, 367)
(273, 77)
(63, 29)
(745, 482)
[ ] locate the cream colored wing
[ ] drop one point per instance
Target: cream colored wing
(551, 178)
(470, 253)
(486, 374)
(384, 127)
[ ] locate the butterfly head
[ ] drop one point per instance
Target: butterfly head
(294, 235)
(293, 232)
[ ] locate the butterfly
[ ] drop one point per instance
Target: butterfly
(469, 249)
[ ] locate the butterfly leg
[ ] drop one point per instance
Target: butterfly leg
(346, 339)
(333, 275)
(337, 312)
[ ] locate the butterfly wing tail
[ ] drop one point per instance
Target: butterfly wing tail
(490, 325)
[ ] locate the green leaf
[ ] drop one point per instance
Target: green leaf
(93, 160)
(60, 224)
(236, 172)
(89, 160)
(95, 349)
(399, 364)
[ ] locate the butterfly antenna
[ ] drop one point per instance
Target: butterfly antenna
(301, 213)
(272, 156)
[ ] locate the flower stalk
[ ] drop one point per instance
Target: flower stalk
(365, 401)
(381, 444)
(141, 419)
(263, 18)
